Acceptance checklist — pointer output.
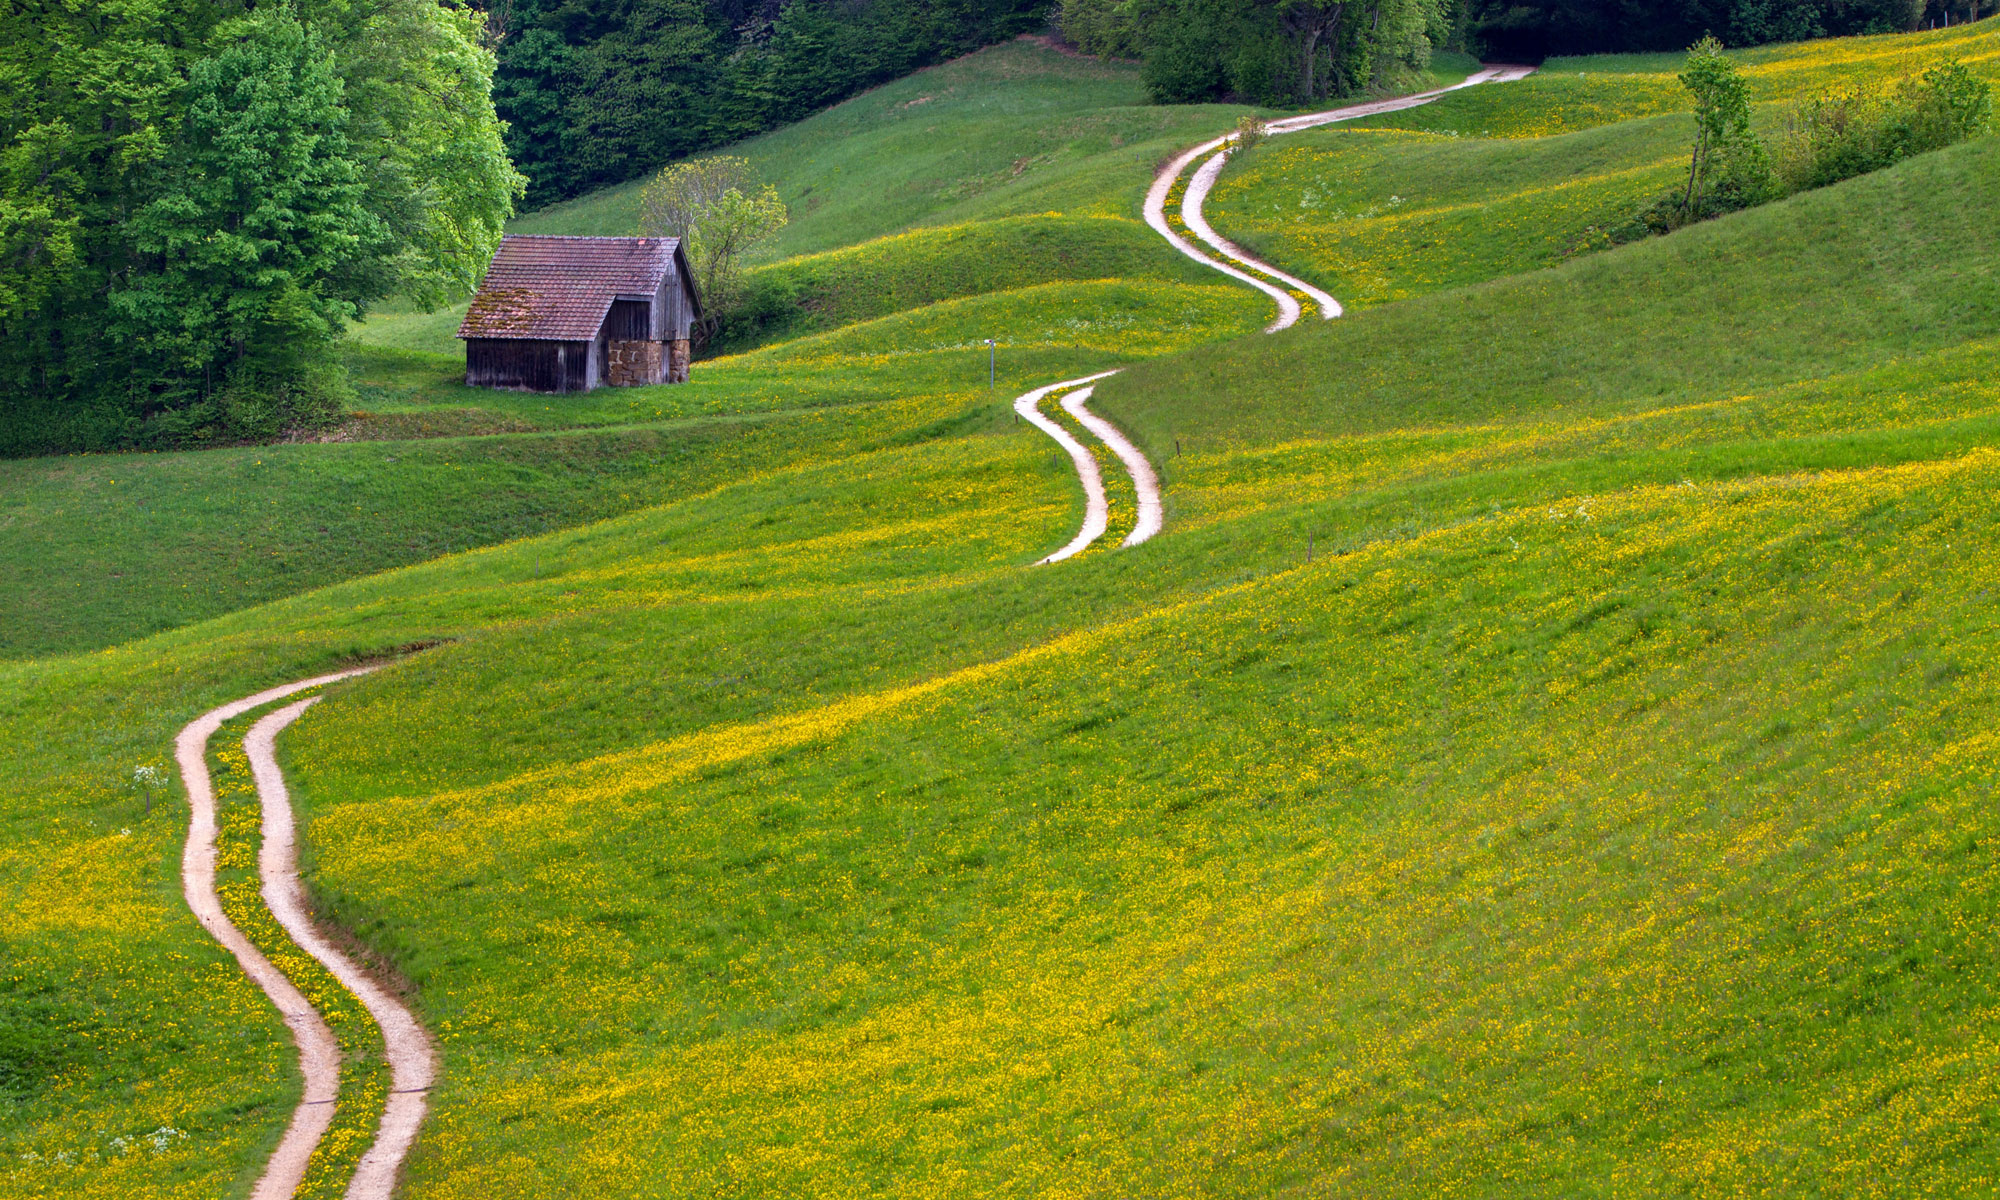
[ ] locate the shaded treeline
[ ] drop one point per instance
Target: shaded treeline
(601, 91)
(1532, 29)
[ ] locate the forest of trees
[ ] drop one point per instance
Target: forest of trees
(1531, 29)
(1280, 53)
(197, 195)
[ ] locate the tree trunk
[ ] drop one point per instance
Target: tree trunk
(1309, 22)
(1694, 173)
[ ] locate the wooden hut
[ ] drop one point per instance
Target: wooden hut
(567, 314)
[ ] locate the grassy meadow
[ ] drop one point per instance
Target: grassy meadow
(1598, 808)
(1490, 182)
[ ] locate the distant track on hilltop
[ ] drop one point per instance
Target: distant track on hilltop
(1233, 260)
(412, 1061)
(1221, 255)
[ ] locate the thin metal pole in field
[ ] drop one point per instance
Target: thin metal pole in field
(992, 357)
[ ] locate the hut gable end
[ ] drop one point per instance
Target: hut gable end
(567, 313)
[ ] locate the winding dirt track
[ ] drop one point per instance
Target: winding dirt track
(1204, 179)
(412, 1064)
(1234, 262)
(408, 1046)
(1096, 509)
(1144, 482)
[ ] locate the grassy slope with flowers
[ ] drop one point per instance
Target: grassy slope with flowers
(954, 196)
(1029, 160)
(1602, 811)
(1012, 166)
(1496, 181)
(1605, 814)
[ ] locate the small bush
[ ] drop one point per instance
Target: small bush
(1826, 138)
(1249, 132)
(1838, 135)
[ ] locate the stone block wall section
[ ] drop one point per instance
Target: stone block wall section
(679, 355)
(632, 364)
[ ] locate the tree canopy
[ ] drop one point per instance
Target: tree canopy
(196, 195)
(1273, 52)
(720, 212)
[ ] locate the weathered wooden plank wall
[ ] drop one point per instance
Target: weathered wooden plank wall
(537, 366)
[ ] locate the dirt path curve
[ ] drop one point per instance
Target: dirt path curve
(319, 1053)
(1156, 216)
(1096, 509)
(406, 1044)
(1236, 263)
(1145, 484)
(1241, 262)
(319, 1050)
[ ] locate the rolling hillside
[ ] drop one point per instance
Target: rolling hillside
(1028, 159)
(1548, 751)
(1493, 182)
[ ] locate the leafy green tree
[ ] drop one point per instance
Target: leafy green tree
(716, 208)
(1286, 52)
(1251, 132)
(1838, 135)
(195, 195)
(1105, 28)
(90, 108)
(1309, 21)
(633, 96)
(1728, 168)
(418, 90)
(1183, 63)
(240, 254)
(1825, 138)
(529, 90)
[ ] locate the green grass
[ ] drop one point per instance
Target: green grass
(1114, 320)
(1385, 215)
(113, 547)
(1497, 181)
(418, 332)
(1644, 326)
(1601, 812)
(1619, 331)
(1488, 837)
(1015, 130)
(911, 270)
(1570, 94)
(181, 537)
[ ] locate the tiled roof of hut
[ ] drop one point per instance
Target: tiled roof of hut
(559, 288)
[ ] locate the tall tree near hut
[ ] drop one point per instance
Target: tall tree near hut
(716, 208)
